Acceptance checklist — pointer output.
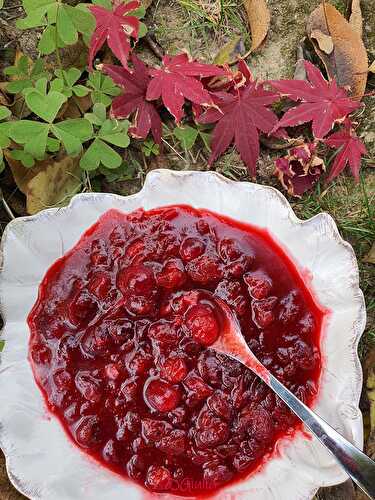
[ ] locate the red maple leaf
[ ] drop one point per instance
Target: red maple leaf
(239, 117)
(350, 152)
(133, 100)
(177, 80)
(322, 102)
(116, 28)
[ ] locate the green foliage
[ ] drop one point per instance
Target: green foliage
(4, 139)
(103, 88)
(62, 22)
(150, 148)
(107, 132)
(123, 173)
(188, 135)
(66, 83)
(25, 74)
(2, 342)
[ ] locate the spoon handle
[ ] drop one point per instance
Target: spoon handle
(355, 463)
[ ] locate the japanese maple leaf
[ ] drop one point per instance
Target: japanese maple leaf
(239, 118)
(322, 102)
(350, 152)
(177, 80)
(133, 100)
(115, 27)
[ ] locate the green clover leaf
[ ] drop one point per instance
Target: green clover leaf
(103, 88)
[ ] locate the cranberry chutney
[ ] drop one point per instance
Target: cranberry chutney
(120, 338)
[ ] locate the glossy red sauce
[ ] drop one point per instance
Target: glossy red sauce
(120, 341)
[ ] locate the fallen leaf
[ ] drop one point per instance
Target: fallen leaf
(259, 20)
(349, 151)
(322, 102)
(348, 61)
(116, 27)
(50, 183)
(239, 117)
(372, 67)
(370, 258)
(324, 41)
(133, 99)
(179, 79)
(300, 169)
(355, 20)
(231, 51)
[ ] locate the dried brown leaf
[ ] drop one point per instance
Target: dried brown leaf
(259, 19)
(355, 20)
(230, 52)
(348, 60)
(51, 182)
(324, 41)
(372, 67)
(370, 257)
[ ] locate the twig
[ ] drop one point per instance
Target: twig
(6, 206)
(174, 150)
(154, 46)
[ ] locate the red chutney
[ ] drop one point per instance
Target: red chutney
(120, 339)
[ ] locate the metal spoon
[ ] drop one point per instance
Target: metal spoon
(355, 463)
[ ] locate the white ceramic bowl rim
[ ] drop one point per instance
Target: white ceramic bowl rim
(41, 461)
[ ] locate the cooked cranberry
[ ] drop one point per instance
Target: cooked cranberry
(158, 478)
(174, 369)
(88, 386)
(82, 308)
(161, 395)
(259, 284)
(109, 453)
(154, 430)
(136, 280)
(205, 269)
(220, 403)
(201, 322)
(140, 305)
(229, 249)
(218, 474)
(41, 354)
(135, 467)
(100, 285)
(191, 248)
(173, 443)
(63, 380)
(129, 389)
(88, 431)
(163, 331)
(197, 386)
(172, 275)
(263, 314)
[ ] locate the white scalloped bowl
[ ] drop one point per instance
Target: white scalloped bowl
(43, 464)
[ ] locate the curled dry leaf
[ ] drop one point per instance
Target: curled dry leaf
(324, 41)
(259, 20)
(300, 169)
(348, 60)
(372, 67)
(356, 21)
(50, 183)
